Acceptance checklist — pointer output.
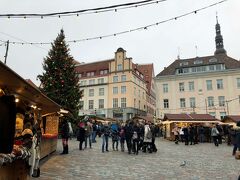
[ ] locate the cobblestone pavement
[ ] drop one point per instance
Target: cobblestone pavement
(203, 161)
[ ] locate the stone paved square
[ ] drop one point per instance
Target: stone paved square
(203, 162)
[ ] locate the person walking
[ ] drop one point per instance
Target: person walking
(186, 135)
(65, 136)
(88, 135)
(235, 138)
(147, 138)
(201, 134)
(214, 134)
(122, 138)
(128, 134)
(135, 137)
(105, 135)
(176, 134)
(81, 135)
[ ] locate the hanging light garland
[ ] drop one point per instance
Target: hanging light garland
(123, 32)
(114, 8)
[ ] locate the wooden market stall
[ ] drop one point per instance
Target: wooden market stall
(29, 106)
(180, 120)
(231, 119)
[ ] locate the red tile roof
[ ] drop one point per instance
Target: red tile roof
(229, 63)
(189, 117)
(148, 72)
(83, 68)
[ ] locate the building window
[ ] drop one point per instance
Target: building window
(90, 104)
(191, 86)
(209, 84)
(101, 81)
(119, 67)
(115, 78)
(103, 72)
(123, 78)
(238, 83)
(91, 92)
(139, 93)
(115, 102)
(192, 102)
(89, 74)
(101, 103)
(182, 103)
(221, 100)
(210, 101)
(123, 103)
(80, 75)
(165, 88)
(115, 90)
(222, 115)
(211, 67)
(219, 84)
(123, 89)
(101, 91)
(143, 95)
(212, 114)
(135, 91)
(81, 104)
(134, 103)
(198, 62)
(92, 81)
(165, 104)
(181, 87)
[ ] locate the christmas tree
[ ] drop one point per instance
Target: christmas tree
(59, 80)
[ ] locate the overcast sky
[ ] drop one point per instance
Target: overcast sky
(158, 45)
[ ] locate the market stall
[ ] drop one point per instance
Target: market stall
(26, 114)
(185, 120)
(231, 120)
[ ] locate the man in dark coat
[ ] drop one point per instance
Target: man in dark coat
(128, 134)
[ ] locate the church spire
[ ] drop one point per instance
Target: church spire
(219, 40)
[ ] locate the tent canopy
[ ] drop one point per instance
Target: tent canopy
(14, 84)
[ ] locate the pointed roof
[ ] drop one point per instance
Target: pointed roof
(219, 40)
(148, 72)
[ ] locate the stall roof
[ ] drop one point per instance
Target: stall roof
(146, 118)
(189, 117)
(18, 86)
(234, 118)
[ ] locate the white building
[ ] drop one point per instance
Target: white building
(209, 84)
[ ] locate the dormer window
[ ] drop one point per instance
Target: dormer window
(212, 60)
(198, 61)
(183, 63)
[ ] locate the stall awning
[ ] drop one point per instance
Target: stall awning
(16, 85)
(182, 121)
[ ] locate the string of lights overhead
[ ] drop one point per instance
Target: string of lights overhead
(114, 8)
(123, 32)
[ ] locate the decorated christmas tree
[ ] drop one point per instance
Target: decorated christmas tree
(59, 80)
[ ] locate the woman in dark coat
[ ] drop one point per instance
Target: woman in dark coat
(65, 136)
(81, 135)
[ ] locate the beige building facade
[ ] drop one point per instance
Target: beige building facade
(115, 88)
(201, 85)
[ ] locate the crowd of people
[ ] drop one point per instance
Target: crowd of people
(135, 136)
(194, 134)
(132, 136)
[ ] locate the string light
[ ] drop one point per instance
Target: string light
(114, 8)
(127, 31)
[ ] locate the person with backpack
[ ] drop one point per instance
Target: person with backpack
(135, 138)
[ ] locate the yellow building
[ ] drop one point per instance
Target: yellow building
(202, 85)
(116, 88)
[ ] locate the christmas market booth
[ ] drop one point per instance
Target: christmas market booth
(231, 120)
(185, 120)
(28, 126)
